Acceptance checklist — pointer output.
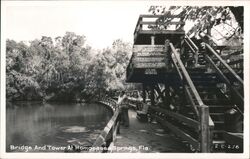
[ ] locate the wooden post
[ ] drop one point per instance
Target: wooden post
(152, 40)
(152, 95)
(167, 96)
(205, 131)
(115, 129)
(168, 55)
(144, 92)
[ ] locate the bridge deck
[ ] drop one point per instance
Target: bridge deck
(149, 135)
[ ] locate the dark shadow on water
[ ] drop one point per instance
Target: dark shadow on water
(38, 124)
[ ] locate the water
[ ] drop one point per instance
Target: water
(37, 127)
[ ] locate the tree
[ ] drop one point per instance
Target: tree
(216, 23)
(63, 69)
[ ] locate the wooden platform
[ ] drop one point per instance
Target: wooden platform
(146, 138)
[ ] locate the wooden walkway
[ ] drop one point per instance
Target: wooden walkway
(146, 138)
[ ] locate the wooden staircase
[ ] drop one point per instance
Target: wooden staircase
(207, 84)
(218, 104)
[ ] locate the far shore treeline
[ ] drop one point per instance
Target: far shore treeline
(64, 69)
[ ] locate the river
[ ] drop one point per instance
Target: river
(38, 127)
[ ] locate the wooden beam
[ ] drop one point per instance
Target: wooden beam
(155, 23)
(102, 138)
(155, 16)
(190, 122)
(205, 131)
(144, 92)
(152, 95)
(161, 32)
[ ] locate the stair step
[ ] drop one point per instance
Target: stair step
(218, 146)
(219, 142)
(218, 117)
(206, 83)
(218, 134)
(218, 108)
(219, 125)
(216, 102)
(219, 122)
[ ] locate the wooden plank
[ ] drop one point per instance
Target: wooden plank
(155, 23)
(148, 59)
(149, 16)
(180, 133)
(150, 72)
(191, 122)
(102, 138)
(161, 32)
(150, 65)
(149, 54)
(148, 48)
(156, 16)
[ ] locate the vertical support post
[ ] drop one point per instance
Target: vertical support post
(167, 50)
(141, 19)
(144, 92)
(205, 131)
(167, 96)
(152, 95)
(152, 40)
(115, 127)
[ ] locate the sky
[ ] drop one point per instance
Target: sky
(100, 22)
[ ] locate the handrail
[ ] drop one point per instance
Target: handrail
(186, 76)
(237, 93)
(111, 126)
(206, 123)
(192, 43)
(189, 81)
(193, 47)
(235, 75)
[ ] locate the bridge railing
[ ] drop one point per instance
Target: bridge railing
(108, 135)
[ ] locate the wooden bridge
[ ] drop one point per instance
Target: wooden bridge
(196, 89)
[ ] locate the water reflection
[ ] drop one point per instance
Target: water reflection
(36, 124)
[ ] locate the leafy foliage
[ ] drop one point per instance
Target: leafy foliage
(219, 24)
(64, 68)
